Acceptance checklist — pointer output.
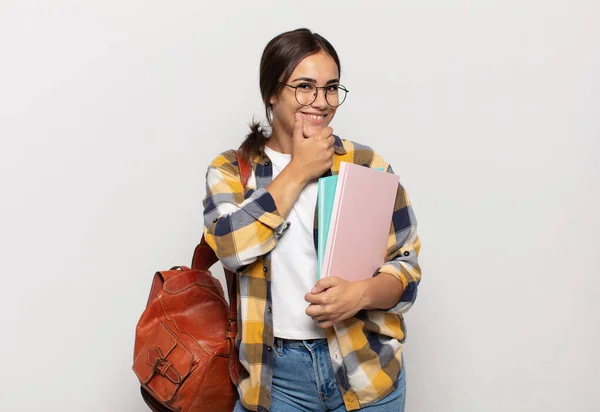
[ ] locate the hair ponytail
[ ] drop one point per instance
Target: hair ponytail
(255, 141)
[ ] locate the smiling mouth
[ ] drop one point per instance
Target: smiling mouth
(315, 117)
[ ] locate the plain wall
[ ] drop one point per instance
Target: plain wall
(489, 111)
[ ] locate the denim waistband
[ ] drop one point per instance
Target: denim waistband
(296, 343)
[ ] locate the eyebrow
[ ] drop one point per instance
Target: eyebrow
(308, 79)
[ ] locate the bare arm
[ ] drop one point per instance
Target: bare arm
(381, 292)
(286, 188)
(311, 157)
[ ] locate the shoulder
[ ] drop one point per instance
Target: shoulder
(361, 154)
(226, 157)
(225, 163)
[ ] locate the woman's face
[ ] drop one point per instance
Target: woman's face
(318, 69)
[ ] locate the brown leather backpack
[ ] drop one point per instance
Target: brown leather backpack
(185, 355)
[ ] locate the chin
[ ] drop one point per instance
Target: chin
(316, 127)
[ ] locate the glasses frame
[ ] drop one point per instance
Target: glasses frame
(317, 93)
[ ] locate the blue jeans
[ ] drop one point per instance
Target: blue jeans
(303, 380)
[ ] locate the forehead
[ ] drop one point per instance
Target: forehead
(319, 66)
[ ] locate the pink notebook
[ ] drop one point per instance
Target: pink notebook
(360, 222)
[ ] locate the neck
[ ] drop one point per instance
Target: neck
(280, 142)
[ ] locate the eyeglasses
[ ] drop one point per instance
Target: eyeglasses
(306, 93)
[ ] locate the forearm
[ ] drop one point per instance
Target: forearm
(238, 229)
(234, 230)
(381, 292)
(286, 188)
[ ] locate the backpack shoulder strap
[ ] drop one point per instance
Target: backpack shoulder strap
(245, 168)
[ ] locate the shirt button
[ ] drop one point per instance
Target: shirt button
(406, 253)
(269, 348)
(266, 163)
(269, 309)
(215, 220)
(265, 269)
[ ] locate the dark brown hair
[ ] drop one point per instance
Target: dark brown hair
(279, 59)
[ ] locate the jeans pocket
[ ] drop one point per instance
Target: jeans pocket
(278, 348)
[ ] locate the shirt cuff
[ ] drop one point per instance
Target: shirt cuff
(261, 206)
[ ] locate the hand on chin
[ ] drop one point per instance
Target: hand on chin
(311, 129)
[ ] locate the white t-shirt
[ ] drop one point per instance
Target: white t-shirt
(294, 264)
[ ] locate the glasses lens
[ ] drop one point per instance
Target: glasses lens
(306, 93)
(335, 95)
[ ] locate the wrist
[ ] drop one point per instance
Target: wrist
(382, 291)
(364, 297)
(297, 173)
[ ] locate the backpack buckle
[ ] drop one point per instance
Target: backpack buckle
(164, 367)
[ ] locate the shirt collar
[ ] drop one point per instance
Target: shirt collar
(338, 146)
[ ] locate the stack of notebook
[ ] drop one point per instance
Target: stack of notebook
(355, 212)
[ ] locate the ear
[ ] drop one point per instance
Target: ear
(273, 100)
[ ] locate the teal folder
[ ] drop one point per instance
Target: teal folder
(326, 194)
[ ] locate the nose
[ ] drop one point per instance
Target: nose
(320, 102)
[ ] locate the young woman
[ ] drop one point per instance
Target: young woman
(330, 345)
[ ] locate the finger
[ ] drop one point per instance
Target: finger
(330, 141)
(317, 299)
(322, 318)
(324, 284)
(325, 324)
(316, 311)
(298, 132)
(327, 132)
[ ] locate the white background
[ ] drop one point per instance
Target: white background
(489, 111)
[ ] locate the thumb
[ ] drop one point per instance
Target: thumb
(298, 132)
(324, 284)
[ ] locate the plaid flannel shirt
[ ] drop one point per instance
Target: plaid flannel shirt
(242, 228)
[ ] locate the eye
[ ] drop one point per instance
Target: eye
(333, 88)
(305, 87)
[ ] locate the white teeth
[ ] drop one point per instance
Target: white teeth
(314, 116)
